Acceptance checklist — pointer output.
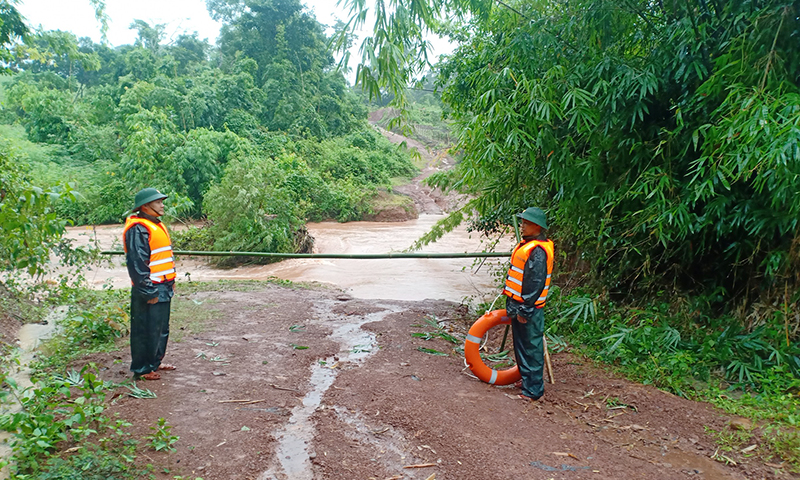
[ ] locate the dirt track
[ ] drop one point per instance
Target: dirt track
(362, 402)
(271, 385)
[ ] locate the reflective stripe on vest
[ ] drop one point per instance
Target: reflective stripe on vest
(519, 257)
(162, 263)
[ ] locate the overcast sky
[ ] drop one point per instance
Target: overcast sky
(77, 16)
(180, 16)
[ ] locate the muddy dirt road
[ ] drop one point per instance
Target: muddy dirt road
(271, 385)
(292, 382)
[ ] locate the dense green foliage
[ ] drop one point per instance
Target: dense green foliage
(259, 205)
(31, 229)
(93, 322)
(31, 226)
(174, 116)
(68, 408)
(11, 27)
(672, 345)
(664, 138)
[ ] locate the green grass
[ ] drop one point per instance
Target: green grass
(748, 373)
(775, 414)
(97, 321)
(35, 153)
(386, 201)
(4, 81)
(191, 316)
(186, 288)
(93, 463)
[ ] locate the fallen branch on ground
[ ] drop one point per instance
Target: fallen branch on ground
(283, 388)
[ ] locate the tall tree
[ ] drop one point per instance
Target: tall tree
(12, 29)
(31, 228)
(303, 93)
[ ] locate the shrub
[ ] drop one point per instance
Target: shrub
(252, 209)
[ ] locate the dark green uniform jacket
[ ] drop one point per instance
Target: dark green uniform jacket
(149, 322)
(528, 346)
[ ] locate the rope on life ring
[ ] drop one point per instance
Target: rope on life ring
(472, 355)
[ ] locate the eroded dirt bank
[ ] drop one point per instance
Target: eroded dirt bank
(308, 383)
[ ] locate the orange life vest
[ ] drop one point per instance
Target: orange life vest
(162, 263)
(519, 257)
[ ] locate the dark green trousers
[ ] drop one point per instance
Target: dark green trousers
(529, 352)
(149, 334)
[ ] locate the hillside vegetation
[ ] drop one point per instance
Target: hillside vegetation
(259, 133)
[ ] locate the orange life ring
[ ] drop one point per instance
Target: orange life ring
(473, 356)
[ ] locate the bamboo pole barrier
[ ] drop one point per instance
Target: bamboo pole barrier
(352, 256)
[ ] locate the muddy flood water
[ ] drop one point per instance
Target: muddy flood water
(395, 279)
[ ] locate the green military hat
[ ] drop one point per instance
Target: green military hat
(145, 196)
(534, 215)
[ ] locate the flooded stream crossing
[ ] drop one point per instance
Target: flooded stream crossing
(453, 279)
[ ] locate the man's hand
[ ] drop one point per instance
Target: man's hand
(152, 301)
(521, 319)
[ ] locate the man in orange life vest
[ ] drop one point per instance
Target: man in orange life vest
(151, 266)
(527, 284)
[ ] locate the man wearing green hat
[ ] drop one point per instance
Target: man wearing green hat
(527, 284)
(151, 266)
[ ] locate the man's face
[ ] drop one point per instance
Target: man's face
(530, 229)
(154, 208)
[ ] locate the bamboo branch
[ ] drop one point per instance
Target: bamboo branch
(786, 310)
(771, 54)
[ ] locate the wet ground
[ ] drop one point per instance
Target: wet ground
(29, 337)
(277, 382)
(296, 383)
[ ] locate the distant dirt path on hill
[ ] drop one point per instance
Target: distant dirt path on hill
(428, 200)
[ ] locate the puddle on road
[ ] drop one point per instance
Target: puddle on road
(666, 455)
(293, 455)
(695, 465)
(30, 336)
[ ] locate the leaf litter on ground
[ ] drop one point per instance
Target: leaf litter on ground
(431, 351)
(137, 392)
(439, 332)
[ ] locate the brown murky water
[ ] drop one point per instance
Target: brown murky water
(395, 279)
